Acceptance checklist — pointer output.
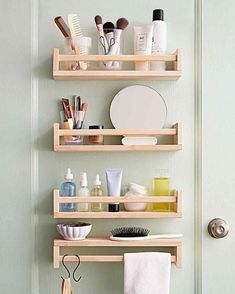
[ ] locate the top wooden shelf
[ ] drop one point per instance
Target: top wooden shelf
(174, 74)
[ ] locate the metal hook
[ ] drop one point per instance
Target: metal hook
(65, 266)
(79, 262)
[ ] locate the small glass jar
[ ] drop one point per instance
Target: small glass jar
(96, 139)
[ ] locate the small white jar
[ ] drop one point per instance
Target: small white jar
(138, 191)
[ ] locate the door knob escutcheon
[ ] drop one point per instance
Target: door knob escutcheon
(218, 228)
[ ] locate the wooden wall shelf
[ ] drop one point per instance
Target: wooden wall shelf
(105, 242)
(175, 131)
(176, 200)
(174, 74)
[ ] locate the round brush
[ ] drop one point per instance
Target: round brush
(138, 234)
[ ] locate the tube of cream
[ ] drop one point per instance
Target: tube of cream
(143, 44)
(114, 180)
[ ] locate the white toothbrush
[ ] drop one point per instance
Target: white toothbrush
(150, 237)
(76, 31)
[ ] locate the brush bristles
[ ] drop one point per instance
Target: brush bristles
(122, 23)
(130, 232)
(98, 20)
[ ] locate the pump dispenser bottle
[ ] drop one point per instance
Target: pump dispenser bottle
(159, 39)
(68, 189)
(84, 192)
(97, 191)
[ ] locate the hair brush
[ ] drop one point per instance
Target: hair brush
(137, 233)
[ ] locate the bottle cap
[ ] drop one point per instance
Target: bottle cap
(83, 179)
(158, 14)
(68, 175)
(97, 181)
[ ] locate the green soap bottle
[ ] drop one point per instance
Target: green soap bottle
(98, 192)
(161, 187)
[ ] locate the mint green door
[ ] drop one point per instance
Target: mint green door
(218, 143)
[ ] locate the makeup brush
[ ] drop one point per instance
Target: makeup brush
(108, 27)
(122, 23)
(99, 25)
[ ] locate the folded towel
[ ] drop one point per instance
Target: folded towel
(147, 273)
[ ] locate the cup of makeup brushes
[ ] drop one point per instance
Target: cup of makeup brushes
(111, 44)
(72, 123)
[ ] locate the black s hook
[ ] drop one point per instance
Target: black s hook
(79, 262)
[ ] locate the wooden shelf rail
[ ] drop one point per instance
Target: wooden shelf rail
(176, 200)
(174, 74)
(105, 242)
(175, 131)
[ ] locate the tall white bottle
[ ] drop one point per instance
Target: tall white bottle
(84, 192)
(159, 39)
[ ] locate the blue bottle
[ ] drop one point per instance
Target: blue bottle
(68, 189)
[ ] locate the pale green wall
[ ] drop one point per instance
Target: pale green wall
(37, 97)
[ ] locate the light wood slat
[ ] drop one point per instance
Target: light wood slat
(116, 75)
(56, 60)
(106, 242)
(100, 258)
(109, 199)
(115, 132)
(92, 148)
(117, 215)
(165, 57)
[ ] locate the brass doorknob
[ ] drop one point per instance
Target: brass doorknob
(218, 228)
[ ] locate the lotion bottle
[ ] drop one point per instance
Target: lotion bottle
(84, 192)
(159, 39)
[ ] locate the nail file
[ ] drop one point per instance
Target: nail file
(150, 237)
(62, 26)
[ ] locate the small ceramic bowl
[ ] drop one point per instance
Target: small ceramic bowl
(74, 231)
(135, 206)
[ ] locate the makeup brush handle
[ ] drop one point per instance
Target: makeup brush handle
(117, 44)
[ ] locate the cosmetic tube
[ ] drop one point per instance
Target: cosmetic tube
(143, 44)
(114, 180)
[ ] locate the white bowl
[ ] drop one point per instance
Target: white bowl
(74, 231)
(135, 206)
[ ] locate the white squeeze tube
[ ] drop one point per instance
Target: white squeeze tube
(114, 181)
(143, 44)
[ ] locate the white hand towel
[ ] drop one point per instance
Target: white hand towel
(147, 273)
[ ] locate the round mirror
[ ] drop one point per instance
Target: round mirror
(138, 107)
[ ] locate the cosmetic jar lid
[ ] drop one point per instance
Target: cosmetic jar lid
(96, 127)
(158, 14)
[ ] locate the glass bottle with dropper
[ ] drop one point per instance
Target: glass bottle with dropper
(98, 192)
(83, 191)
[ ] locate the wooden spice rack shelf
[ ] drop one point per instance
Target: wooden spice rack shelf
(174, 74)
(175, 131)
(176, 201)
(105, 242)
